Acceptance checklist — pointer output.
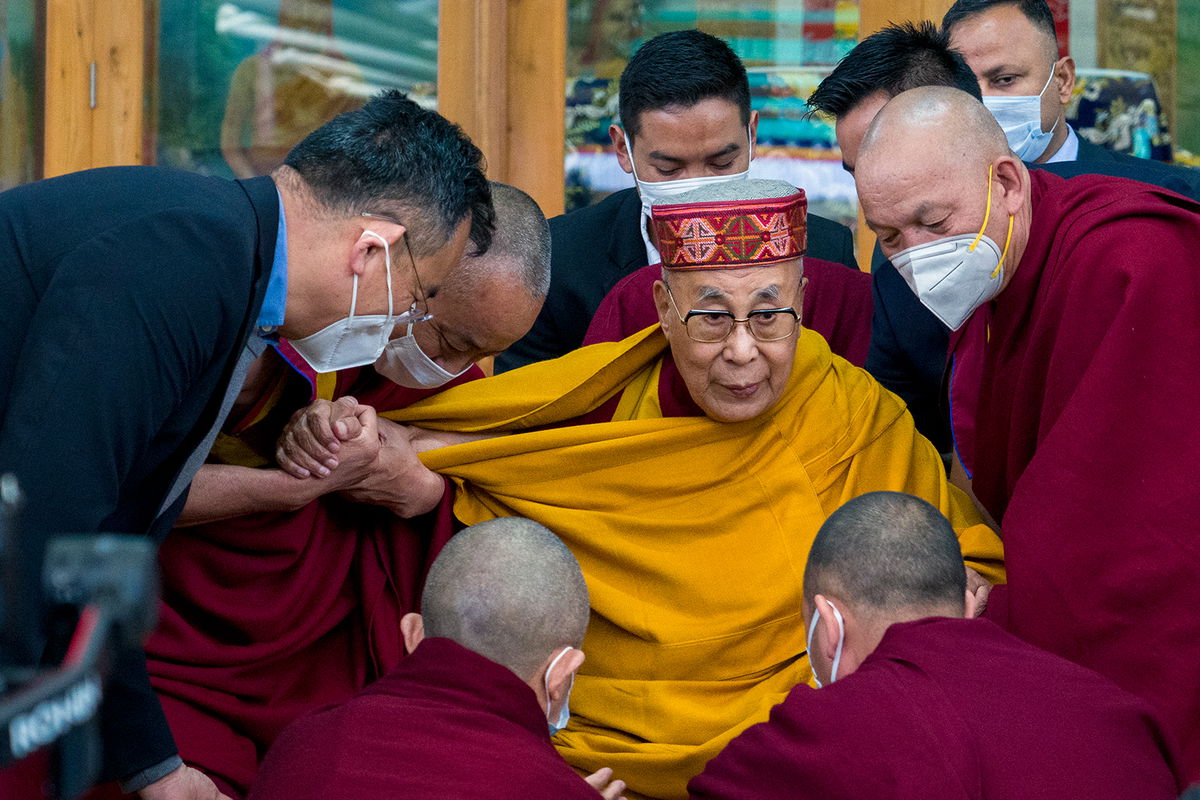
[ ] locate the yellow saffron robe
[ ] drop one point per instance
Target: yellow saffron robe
(693, 534)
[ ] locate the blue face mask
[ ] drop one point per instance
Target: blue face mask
(564, 713)
(1021, 119)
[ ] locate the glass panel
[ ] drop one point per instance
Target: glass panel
(1134, 92)
(20, 92)
(787, 48)
(239, 83)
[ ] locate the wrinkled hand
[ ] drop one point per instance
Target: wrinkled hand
(311, 444)
(398, 480)
(980, 587)
(602, 781)
(184, 783)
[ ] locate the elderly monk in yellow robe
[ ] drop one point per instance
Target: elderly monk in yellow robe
(688, 467)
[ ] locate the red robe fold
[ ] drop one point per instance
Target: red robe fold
(446, 723)
(1074, 404)
(267, 616)
(947, 709)
(837, 304)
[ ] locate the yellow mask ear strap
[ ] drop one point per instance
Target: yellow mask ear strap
(987, 214)
(1007, 242)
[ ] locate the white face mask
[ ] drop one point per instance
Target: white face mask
(404, 362)
(837, 655)
(661, 192)
(1021, 119)
(956, 275)
(564, 713)
(354, 340)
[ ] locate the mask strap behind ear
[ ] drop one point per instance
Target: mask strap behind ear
(629, 152)
(987, 214)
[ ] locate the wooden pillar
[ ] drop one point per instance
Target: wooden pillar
(873, 15)
(95, 84)
(502, 77)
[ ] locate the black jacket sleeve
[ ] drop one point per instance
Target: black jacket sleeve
(908, 352)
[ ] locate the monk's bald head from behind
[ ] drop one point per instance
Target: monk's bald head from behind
(509, 590)
(889, 555)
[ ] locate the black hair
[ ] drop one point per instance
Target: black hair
(893, 60)
(681, 68)
(1036, 11)
(887, 551)
(393, 157)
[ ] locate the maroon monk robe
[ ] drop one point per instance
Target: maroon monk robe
(950, 708)
(837, 304)
(268, 616)
(1074, 405)
(446, 723)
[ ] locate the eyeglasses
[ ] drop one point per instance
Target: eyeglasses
(765, 324)
(422, 313)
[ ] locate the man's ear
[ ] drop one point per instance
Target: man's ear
(1064, 79)
(799, 301)
(371, 239)
(662, 303)
(753, 134)
(1013, 178)
(559, 679)
(625, 158)
(828, 627)
(970, 605)
(412, 628)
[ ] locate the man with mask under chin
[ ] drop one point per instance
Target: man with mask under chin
(1074, 349)
(343, 517)
(685, 122)
(135, 298)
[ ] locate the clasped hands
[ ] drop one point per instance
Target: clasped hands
(362, 457)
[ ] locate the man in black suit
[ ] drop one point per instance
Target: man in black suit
(685, 117)
(133, 298)
(908, 343)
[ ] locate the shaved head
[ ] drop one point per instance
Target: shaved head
(509, 590)
(888, 552)
(934, 123)
(520, 249)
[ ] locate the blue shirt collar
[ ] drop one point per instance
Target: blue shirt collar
(270, 316)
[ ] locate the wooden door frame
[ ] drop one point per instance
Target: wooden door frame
(95, 83)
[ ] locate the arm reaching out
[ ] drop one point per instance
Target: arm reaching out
(223, 491)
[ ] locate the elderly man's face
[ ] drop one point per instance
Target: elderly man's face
(679, 142)
(474, 318)
(740, 377)
(907, 200)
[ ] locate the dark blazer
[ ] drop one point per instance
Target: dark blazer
(126, 296)
(592, 248)
(908, 343)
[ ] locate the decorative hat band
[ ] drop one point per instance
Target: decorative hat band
(731, 234)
